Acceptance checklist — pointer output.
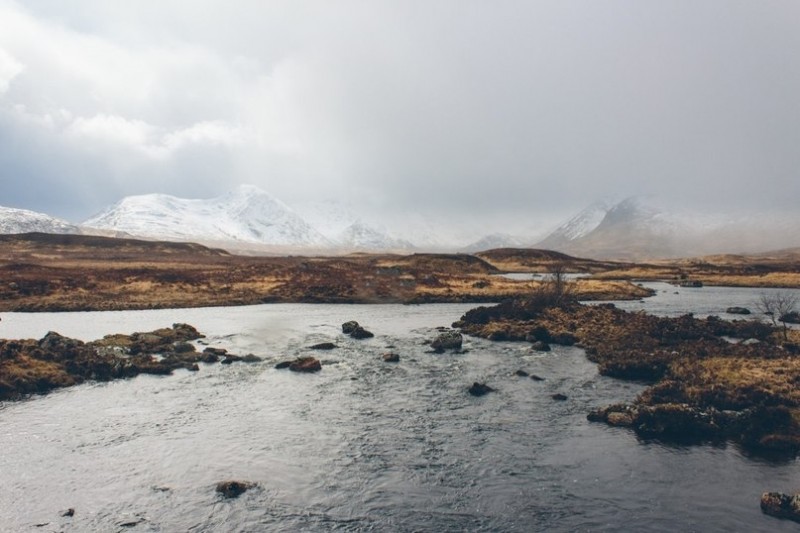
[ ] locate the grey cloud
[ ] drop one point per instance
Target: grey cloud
(464, 108)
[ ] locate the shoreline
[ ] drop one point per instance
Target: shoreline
(702, 388)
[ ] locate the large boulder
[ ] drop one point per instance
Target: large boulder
(448, 340)
(781, 505)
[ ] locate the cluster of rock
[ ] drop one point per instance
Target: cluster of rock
(31, 366)
(781, 505)
(762, 427)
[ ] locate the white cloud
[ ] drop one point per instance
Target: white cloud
(9, 69)
(111, 128)
(209, 132)
(104, 130)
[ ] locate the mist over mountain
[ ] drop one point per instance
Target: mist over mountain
(248, 219)
(647, 228)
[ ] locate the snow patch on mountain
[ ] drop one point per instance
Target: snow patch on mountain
(496, 240)
(348, 230)
(14, 220)
(362, 236)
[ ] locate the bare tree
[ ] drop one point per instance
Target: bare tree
(555, 290)
(778, 306)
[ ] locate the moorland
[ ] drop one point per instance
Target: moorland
(45, 272)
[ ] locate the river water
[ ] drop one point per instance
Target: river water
(362, 445)
(671, 300)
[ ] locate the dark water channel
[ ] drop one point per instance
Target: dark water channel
(361, 446)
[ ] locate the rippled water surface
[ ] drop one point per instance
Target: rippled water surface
(362, 445)
(671, 300)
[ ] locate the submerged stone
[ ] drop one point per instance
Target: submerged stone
(233, 489)
(479, 389)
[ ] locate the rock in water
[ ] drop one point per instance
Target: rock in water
(737, 311)
(233, 489)
(353, 329)
(781, 505)
(323, 346)
(391, 358)
(349, 326)
(449, 340)
(479, 389)
(559, 397)
(361, 333)
(305, 364)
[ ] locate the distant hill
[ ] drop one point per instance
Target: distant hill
(107, 247)
(537, 260)
(23, 221)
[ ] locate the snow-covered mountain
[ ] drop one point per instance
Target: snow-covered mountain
(645, 227)
(248, 219)
(496, 240)
(347, 230)
(576, 227)
(23, 221)
(362, 236)
(245, 215)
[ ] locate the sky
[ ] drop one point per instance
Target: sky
(466, 109)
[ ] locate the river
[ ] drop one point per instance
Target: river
(362, 445)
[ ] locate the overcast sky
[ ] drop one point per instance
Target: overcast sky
(476, 107)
